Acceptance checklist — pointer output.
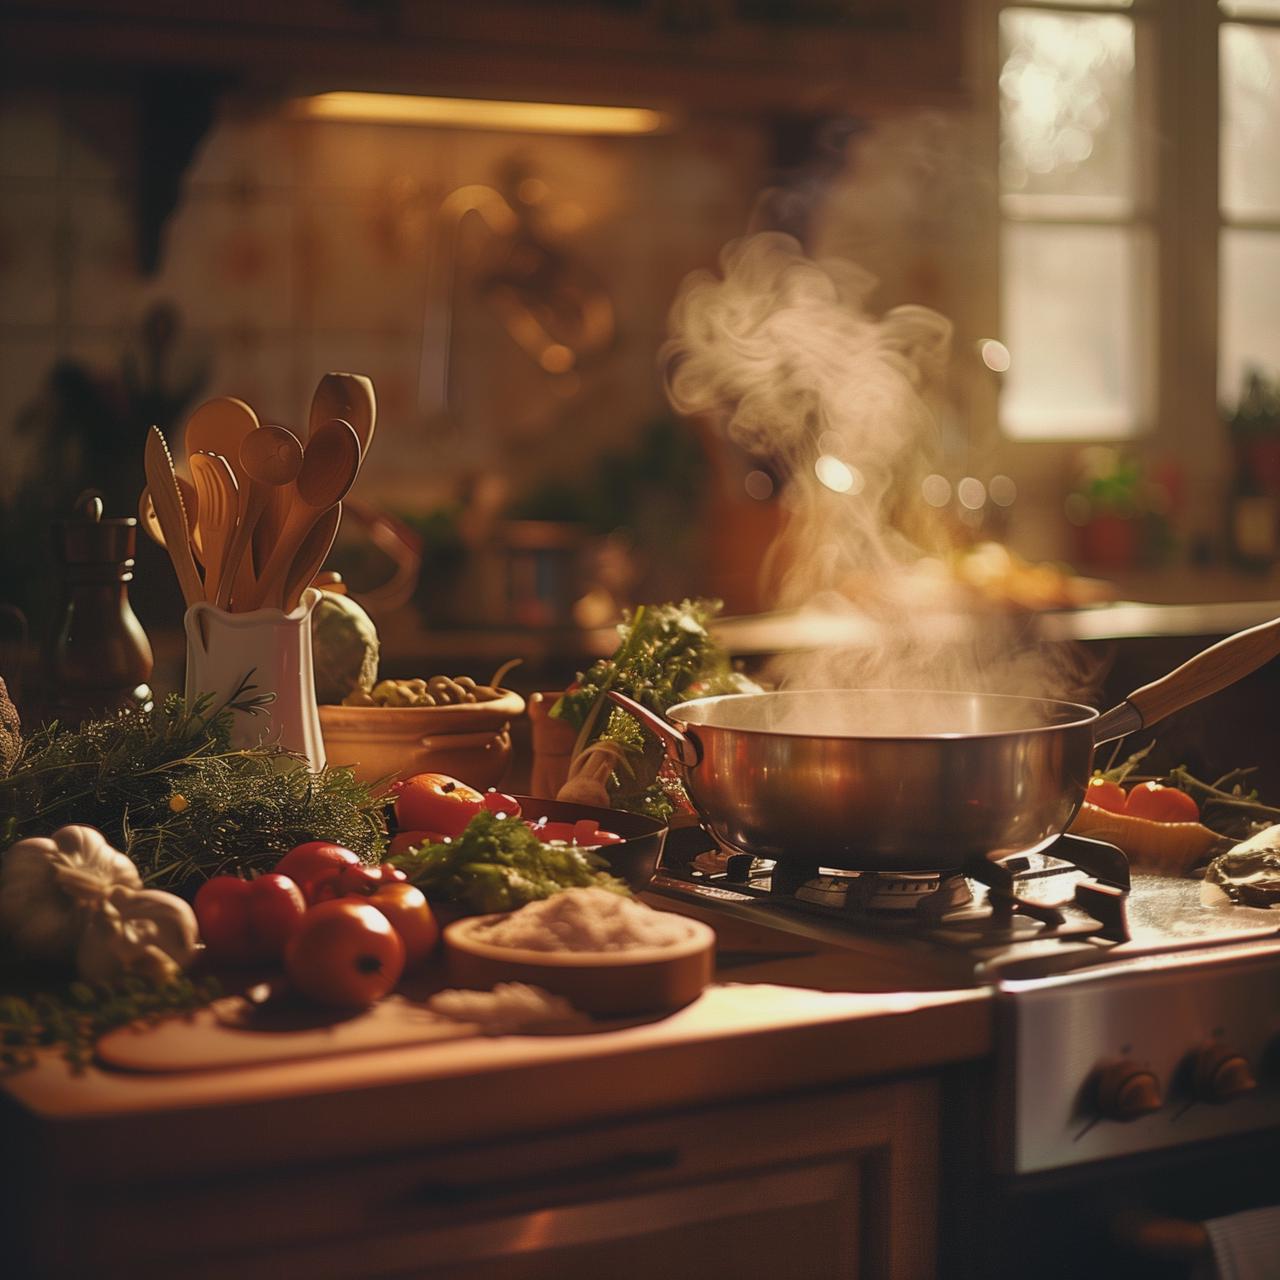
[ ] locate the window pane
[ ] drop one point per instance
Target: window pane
(1250, 308)
(1074, 303)
(1066, 106)
(1250, 8)
(1250, 63)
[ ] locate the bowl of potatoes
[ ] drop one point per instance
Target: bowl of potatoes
(443, 724)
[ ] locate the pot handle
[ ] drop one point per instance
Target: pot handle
(681, 747)
(1215, 668)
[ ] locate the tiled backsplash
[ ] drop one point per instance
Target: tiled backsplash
(299, 247)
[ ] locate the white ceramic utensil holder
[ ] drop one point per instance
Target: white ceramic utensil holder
(270, 650)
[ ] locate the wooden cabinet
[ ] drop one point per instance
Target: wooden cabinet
(794, 56)
(837, 1183)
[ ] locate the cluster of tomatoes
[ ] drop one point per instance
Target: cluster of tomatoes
(1151, 800)
(344, 931)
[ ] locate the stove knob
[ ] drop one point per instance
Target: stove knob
(1219, 1074)
(1124, 1090)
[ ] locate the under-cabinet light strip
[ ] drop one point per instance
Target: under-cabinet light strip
(478, 113)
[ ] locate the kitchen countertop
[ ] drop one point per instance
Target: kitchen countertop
(750, 1035)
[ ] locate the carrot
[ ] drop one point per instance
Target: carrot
(1169, 847)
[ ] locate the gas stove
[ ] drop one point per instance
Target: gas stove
(1131, 1015)
(1075, 906)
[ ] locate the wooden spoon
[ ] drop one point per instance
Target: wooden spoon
(329, 468)
(220, 426)
(348, 396)
(219, 497)
(311, 555)
(270, 457)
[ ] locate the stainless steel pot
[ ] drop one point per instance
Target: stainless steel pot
(893, 780)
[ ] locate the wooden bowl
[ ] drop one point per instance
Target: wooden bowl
(470, 741)
(613, 983)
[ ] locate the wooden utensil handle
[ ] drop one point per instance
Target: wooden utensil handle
(233, 579)
(1217, 667)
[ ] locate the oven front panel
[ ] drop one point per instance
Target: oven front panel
(1140, 1058)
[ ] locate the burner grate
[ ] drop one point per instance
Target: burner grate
(985, 903)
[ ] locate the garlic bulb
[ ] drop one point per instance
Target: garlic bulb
(44, 883)
(137, 931)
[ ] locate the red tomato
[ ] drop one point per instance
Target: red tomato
(310, 865)
(503, 805)
(245, 922)
(1159, 803)
(1106, 794)
(436, 802)
(344, 953)
(583, 833)
(360, 879)
(410, 914)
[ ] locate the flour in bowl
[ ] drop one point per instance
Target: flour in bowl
(587, 920)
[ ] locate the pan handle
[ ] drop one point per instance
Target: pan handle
(681, 747)
(1213, 669)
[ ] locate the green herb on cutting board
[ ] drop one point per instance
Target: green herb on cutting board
(164, 787)
(76, 1018)
(498, 864)
(666, 654)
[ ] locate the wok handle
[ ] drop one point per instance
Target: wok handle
(1213, 669)
(682, 748)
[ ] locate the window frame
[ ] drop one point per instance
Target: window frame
(1176, 41)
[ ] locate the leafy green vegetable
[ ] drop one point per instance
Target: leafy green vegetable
(163, 786)
(498, 864)
(666, 655)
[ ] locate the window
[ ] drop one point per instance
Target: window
(1140, 214)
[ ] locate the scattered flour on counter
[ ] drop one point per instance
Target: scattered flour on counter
(586, 920)
(510, 1006)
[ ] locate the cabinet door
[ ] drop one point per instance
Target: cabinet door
(834, 1183)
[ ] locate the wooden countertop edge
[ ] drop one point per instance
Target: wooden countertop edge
(146, 1127)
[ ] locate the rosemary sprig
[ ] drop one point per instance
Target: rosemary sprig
(165, 786)
(76, 1018)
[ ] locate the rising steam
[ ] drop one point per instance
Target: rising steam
(785, 348)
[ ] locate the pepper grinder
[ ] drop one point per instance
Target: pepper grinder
(102, 658)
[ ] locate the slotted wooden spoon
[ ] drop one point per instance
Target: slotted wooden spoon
(221, 426)
(218, 495)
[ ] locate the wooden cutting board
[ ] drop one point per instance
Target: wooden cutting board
(230, 1033)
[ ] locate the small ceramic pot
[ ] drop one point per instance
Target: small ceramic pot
(265, 651)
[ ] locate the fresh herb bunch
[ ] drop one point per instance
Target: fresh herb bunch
(498, 864)
(666, 655)
(163, 786)
(77, 1018)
